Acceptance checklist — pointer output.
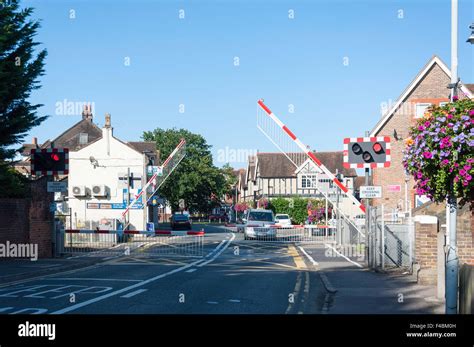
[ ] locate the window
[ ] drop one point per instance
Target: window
(83, 138)
(421, 109)
(308, 181)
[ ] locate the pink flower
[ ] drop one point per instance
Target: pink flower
(462, 172)
(456, 179)
(455, 98)
(449, 116)
(471, 112)
(468, 177)
(467, 167)
(427, 155)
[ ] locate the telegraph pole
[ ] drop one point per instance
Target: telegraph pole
(451, 203)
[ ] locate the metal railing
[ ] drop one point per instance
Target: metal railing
(302, 234)
(390, 242)
(132, 243)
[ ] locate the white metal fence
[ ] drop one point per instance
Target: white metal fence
(116, 243)
(309, 233)
(390, 242)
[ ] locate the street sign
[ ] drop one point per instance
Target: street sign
(370, 192)
(54, 187)
(181, 203)
(151, 170)
(394, 188)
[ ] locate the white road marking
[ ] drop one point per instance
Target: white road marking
(353, 262)
(136, 292)
(133, 286)
(220, 251)
(310, 258)
(191, 270)
(92, 279)
(234, 300)
(213, 302)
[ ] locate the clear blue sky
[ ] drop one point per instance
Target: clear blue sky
(285, 61)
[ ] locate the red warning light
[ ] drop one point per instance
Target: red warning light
(377, 147)
(54, 156)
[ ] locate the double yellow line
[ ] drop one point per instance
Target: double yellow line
(299, 262)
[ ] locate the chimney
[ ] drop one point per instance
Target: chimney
(107, 121)
(87, 112)
(35, 141)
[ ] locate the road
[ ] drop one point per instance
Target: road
(235, 277)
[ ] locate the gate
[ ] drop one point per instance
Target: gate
(131, 243)
(390, 239)
(306, 234)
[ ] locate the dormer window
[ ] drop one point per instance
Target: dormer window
(83, 138)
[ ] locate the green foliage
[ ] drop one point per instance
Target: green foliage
(295, 207)
(14, 184)
(19, 72)
(439, 152)
(196, 179)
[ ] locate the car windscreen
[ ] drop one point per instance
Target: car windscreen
(180, 217)
(261, 216)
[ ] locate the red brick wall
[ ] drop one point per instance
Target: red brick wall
(431, 89)
(464, 232)
(28, 220)
(14, 220)
(426, 250)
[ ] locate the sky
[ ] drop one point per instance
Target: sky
(325, 68)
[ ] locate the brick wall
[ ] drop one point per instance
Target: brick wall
(426, 252)
(28, 220)
(426, 237)
(14, 220)
(431, 89)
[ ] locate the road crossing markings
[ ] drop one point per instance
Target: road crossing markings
(136, 292)
(92, 279)
(342, 255)
(136, 285)
(234, 300)
(191, 270)
(300, 264)
(224, 247)
(213, 302)
(310, 258)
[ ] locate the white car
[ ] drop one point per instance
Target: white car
(282, 220)
(259, 223)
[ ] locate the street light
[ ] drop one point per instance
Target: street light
(471, 38)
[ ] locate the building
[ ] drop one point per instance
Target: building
(272, 175)
(428, 87)
(98, 185)
(74, 138)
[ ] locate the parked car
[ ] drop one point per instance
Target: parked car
(259, 223)
(283, 220)
(180, 221)
(218, 217)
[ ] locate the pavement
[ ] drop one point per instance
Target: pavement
(234, 276)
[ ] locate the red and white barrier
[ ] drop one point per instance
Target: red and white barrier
(136, 232)
(311, 155)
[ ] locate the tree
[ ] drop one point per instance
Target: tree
(19, 72)
(230, 180)
(196, 179)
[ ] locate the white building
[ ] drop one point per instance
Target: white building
(98, 182)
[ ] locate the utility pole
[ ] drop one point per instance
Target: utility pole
(451, 203)
(338, 225)
(368, 246)
(128, 199)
